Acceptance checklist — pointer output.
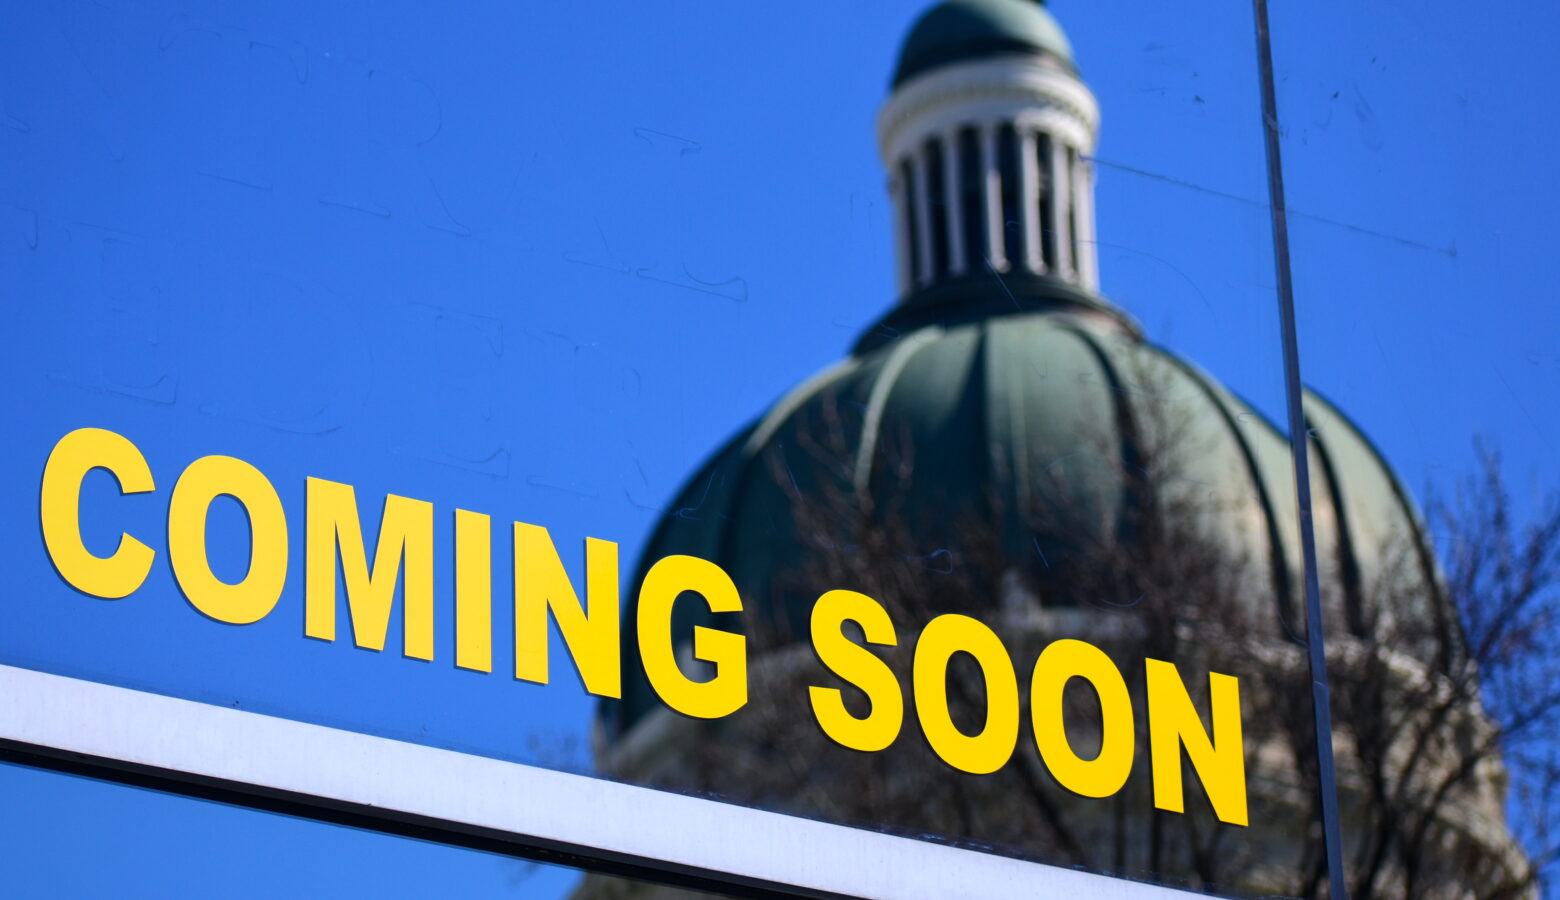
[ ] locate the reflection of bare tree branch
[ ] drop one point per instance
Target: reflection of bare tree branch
(1435, 700)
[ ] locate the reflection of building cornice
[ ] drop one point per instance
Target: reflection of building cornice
(1027, 90)
(987, 295)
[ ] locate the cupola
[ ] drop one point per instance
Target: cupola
(987, 136)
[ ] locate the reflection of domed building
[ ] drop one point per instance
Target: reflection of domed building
(1000, 434)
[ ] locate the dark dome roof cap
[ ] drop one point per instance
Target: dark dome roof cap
(961, 30)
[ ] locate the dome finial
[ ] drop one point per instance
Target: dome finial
(962, 30)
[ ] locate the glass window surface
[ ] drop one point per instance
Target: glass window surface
(941, 337)
(142, 843)
(1421, 218)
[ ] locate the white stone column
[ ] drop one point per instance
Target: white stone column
(896, 191)
(1083, 202)
(1061, 199)
(1029, 199)
(992, 183)
(953, 167)
(923, 216)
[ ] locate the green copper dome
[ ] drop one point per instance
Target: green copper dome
(961, 30)
(989, 410)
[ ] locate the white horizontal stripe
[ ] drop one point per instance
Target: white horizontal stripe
(597, 818)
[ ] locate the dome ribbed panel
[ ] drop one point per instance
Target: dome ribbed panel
(1270, 530)
(794, 454)
(890, 363)
(717, 508)
(927, 468)
(1045, 427)
(1337, 572)
(1054, 442)
(1385, 560)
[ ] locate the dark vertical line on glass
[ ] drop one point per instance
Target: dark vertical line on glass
(1012, 215)
(1298, 433)
(972, 200)
(1072, 211)
(937, 207)
(1049, 252)
(912, 222)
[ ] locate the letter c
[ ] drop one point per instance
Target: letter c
(59, 504)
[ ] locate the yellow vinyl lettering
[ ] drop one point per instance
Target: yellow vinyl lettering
(59, 507)
(405, 533)
(591, 632)
(473, 591)
(1173, 722)
(724, 693)
(203, 481)
(857, 665)
(990, 749)
(1059, 663)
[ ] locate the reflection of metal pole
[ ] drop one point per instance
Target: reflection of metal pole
(1321, 704)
